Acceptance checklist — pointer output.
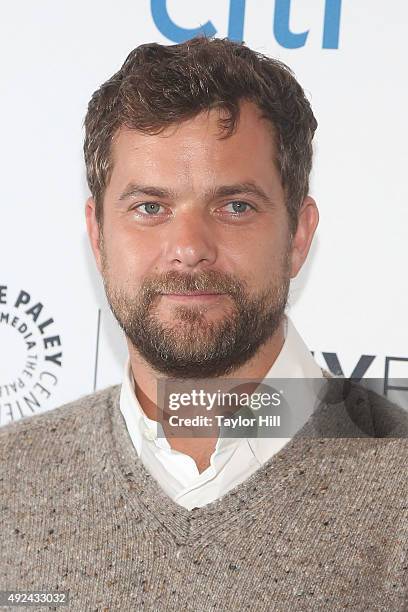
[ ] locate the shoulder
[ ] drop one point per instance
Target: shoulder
(389, 419)
(370, 413)
(55, 454)
(70, 415)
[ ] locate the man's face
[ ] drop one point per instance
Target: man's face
(187, 212)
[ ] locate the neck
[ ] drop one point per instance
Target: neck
(145, 379)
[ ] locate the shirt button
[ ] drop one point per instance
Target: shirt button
(149, 434)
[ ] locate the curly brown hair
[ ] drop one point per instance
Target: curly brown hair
(160, 85)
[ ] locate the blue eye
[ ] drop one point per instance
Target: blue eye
(151, 207)
(238, 206)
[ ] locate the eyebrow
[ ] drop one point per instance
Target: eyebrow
(222, 191)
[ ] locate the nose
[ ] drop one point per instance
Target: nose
(190, 242)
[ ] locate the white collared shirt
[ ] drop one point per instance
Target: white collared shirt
(234, 459)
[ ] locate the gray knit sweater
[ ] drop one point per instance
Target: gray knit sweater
(322, 525)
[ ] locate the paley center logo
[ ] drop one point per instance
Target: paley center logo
(280, 28)
(30, 355)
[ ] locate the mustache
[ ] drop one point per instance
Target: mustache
(176, 282)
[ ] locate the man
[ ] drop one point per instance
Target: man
(198, 158)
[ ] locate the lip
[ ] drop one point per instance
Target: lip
(192, 296)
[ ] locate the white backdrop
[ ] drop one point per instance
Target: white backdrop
(350, 299)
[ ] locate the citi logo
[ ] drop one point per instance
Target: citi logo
(280, 28)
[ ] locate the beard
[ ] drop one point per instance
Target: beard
(190, 345)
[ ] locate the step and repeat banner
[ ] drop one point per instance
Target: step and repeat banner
(58, 340)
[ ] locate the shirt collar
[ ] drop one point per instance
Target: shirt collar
(293, 361)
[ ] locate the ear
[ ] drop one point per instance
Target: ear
(308, 219)
(93, 230)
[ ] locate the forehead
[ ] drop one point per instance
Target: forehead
(195, 150)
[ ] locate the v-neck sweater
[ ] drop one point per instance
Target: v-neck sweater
(322, 525)
(233, 460)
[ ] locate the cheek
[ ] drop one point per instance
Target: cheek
(260, 260)
(129, 260)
